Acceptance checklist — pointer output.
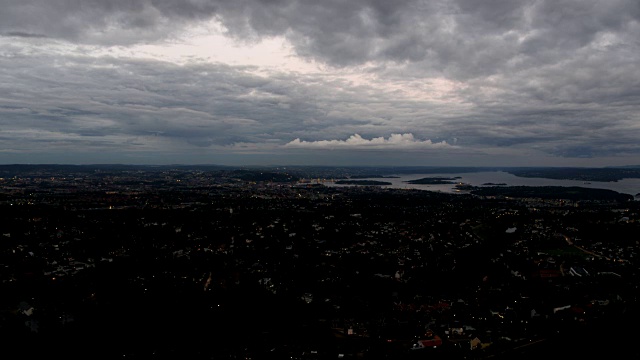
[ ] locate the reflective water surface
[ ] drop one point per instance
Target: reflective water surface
(626, 186)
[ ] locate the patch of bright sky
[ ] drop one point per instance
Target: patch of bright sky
(209, 44)
(264, 56)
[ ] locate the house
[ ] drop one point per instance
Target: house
(430, 340)
(25, 308)
(476, 344)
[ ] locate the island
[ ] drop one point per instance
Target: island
(494, 184)
(582, 174)
(433, 181)
(362, 182)
(365, 176)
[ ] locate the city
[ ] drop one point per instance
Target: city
(224, 263)
(362, 179)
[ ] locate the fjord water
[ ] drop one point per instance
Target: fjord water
(625, 186)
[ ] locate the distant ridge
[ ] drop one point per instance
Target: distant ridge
(602, 174)
(624, 167)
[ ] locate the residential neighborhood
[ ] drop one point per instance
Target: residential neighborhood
(204, 264)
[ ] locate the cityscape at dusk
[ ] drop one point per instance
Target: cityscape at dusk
(339, 179)
(213, 262)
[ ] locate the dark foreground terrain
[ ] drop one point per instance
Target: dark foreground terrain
(198, 265)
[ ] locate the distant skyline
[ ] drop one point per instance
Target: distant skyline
(280, 82)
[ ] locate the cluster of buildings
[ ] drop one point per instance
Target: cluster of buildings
(308, 271)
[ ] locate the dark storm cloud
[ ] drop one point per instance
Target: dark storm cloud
(24, 35)
(122, 99)
(557, 76)
(96, 20)
(461, 39)
(467, 32)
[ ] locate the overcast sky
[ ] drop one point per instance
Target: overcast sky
(331, 82)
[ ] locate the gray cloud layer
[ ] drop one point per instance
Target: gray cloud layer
(463, 38)
(531, 77)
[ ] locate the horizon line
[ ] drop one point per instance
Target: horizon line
(334, 166)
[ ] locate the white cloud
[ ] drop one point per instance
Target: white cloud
(355, 141)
